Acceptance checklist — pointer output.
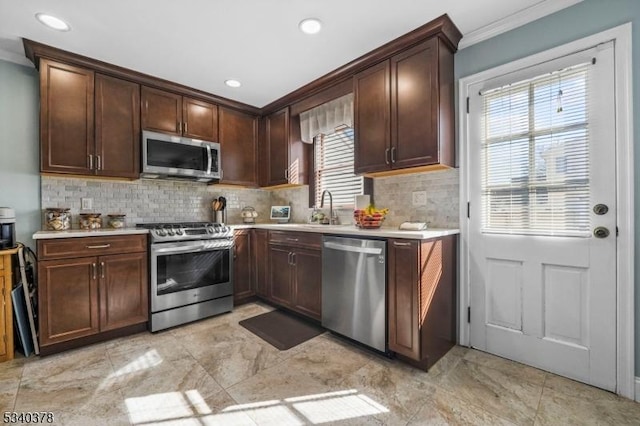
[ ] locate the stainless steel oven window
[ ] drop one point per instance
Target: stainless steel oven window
(211, 279)
(186, 271)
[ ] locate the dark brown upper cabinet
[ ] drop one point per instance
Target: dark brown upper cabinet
(277, 148)
(238, 147)
(372, 111)
(168, 112)
(66, 118)
(117, 127)
(404, 111)
(89, 123)
(283, 154)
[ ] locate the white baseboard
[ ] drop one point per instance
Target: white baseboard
(638, 389)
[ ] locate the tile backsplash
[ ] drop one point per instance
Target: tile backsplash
(151, 200)
(442, 204)
(165, 201)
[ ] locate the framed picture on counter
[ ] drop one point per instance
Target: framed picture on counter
(280, 213)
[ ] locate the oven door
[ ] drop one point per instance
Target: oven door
(189, 272)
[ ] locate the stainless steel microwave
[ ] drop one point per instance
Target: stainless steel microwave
(174, 157)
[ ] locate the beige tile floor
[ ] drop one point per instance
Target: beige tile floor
(214, 372)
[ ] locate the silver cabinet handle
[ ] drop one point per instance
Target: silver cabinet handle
(90, 158)
(395, 243)
(185, 127)
(179, 125)
(289, 258)
(292, 239)
(98, 162)
(293, 259)
(386, 156)
(99, 246)
(393, 154)
(101, 269)
(94, 268)
(286, 174)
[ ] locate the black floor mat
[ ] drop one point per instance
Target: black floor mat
(281, 329)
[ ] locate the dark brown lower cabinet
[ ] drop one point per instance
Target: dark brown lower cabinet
(243, 270)
(307, 282)
(261, 261)
(295, 272)
(86, 294)
(422, 298)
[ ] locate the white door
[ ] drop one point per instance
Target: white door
(542, 270)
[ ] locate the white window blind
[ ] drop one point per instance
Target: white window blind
(334, 168)
(535, 155)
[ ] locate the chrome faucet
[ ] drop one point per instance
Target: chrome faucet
(331, 219)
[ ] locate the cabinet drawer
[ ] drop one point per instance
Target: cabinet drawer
(64, 248)
(305, 239)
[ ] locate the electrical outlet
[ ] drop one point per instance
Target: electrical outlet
(86, 203)
(419, 198)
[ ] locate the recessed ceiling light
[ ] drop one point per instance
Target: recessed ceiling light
(52, 22)
(310, 26)
(232, 83)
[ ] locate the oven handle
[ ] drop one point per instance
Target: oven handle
(189, 249)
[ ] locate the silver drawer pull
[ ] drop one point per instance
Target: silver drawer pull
(99, 247)
(292, 239)
(401, 244)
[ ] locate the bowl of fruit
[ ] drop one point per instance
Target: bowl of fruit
(369, 218)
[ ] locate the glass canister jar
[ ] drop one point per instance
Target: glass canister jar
(90, 220)
(57, 219)
(117, 221)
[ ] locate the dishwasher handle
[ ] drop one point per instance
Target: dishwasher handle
(343, 247)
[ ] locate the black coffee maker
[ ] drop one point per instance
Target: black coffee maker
(7, 228)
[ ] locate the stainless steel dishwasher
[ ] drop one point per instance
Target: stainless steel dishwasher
(354, 278)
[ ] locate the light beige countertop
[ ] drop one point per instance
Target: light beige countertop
(74, 233)
(384, 232)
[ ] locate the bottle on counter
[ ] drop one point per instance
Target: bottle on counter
(90, 221)
(57, 219)
(117, 221)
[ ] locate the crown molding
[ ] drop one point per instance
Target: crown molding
(518, 19)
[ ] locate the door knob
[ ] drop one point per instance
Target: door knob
(600, 209)
(601, 232)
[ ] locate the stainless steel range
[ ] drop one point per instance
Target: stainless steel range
(191, 272)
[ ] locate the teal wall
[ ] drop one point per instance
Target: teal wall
(581, 20)
(19, 150)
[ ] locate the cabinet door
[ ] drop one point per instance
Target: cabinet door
(161, 111)
(66, 118)
(200, 119)
(67, 299)
(279, 274)
(277, 145)
(242, 266)
(371, 110)
(307, 287)
(124, 298)
(414, 106)
(403, 286)
(117, 114)
(238, 147)
(261, 257)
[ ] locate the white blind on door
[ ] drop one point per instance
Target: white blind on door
(334, 156)
(535, 155)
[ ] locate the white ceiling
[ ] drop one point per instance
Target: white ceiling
(202, 43)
